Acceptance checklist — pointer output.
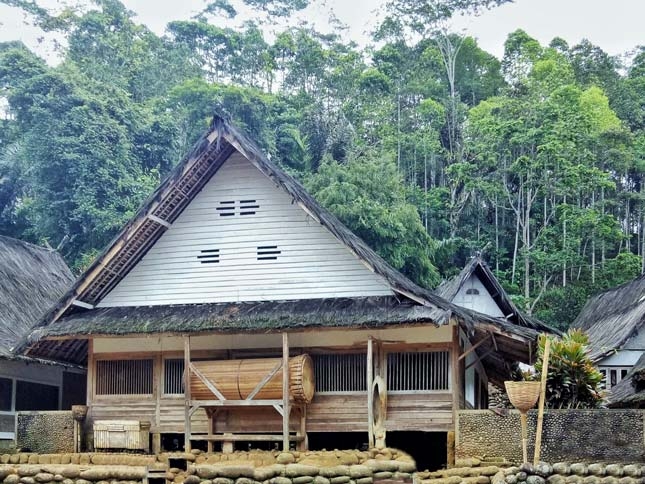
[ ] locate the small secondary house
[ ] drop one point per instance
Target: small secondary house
(476, 288)
(234, 309)
(615, 323)
(32, 279)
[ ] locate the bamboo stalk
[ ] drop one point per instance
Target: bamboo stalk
(538, 430)
(525, 457)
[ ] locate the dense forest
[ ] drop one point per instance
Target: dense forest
(426, 146)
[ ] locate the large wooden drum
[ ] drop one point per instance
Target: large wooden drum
(236, 379)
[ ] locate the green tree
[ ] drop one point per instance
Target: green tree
(367, 194)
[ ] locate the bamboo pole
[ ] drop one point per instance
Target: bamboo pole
(285, 392)
(525, 456)
(538, 430)
(370, 392)
(187, 428)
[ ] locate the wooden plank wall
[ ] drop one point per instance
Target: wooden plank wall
(205, 257)
(327, 413)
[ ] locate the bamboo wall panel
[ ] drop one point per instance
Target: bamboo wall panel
(219, 251)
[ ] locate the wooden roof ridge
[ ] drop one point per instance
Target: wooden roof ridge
(449, 289)
(32, 278)
(178, 189)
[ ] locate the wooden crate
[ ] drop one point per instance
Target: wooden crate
(122, 434)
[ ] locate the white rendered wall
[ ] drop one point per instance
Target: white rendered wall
(482, 302)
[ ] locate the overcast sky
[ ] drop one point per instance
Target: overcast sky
(615, 25)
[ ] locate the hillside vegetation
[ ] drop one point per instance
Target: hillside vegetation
(425, 145)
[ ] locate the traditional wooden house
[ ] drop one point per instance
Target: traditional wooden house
(32, 279)
(193, 317)
(629, 392)
(476, 288)
(615, 323)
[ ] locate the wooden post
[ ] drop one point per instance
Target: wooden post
(538, 430)
(370, 393)
(90, 374)
(210, 412)
(285, 392)
(303, 445)
(187, 429)
(456, 380)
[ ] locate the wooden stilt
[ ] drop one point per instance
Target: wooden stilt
(370, 393)
(187, 429)
(285, 392)
(210, 412)
(455, 373)
(303, 445)
(538, 430)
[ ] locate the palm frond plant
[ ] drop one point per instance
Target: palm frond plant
(573, 381)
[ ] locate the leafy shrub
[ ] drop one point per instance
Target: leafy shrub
(573, 381)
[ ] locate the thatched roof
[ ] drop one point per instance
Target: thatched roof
(76, 315)
(477, 266)
(612, 317)
(32, 279)
(630, 391)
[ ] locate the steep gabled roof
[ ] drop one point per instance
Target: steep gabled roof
(477, 266)
(76, 313)
(32, 278)
(613, 317)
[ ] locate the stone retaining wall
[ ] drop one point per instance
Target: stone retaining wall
(58, 426)
(568, 435)
(253, 467)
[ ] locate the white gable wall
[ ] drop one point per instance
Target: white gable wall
(311, 262)
(482, 302)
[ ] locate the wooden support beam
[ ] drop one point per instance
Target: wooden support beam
(285, 391)
(159, 220)
(247, 438)
(474, 347)
(234, 403)
(455, 373)
(370, 393)
(187, 409)
(278, 408)
(210, 413)
(264, 381)
(209, 384)
(479, 358)
(82, 304)
(303, 445)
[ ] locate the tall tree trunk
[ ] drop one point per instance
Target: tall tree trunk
(593, 243)
(497, 237)
(564, 246)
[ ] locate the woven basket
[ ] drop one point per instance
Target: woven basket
(523, 394)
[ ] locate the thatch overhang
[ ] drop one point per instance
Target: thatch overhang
(503, 343)
(32, 279)
(613, 317)
(62, 333)
(477, 266)
(630, 391)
